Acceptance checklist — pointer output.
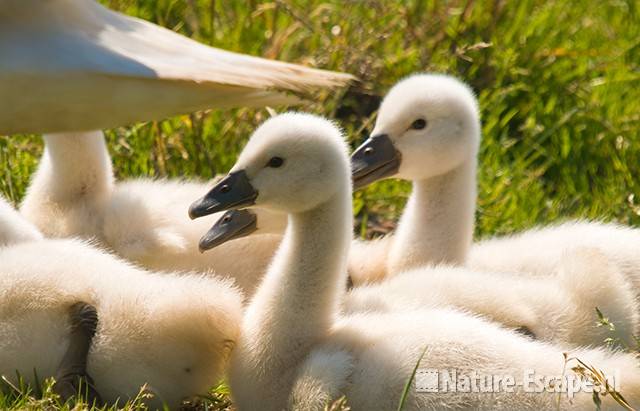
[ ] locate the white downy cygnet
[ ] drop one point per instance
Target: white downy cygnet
(297, 352)
(173, 332)
(428, 132)
(73, 194)
(560, 308)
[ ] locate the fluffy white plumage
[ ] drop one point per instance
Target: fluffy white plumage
(437, 224)
(537, 251)
(296, 350)
(558, 308)
(437, 228)
(73, 194)
(174, 332)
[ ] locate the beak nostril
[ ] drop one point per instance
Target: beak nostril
(225, 188)
(368, 151)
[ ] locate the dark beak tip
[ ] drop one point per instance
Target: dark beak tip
(234, 224)
(195, 209)
(204, 245)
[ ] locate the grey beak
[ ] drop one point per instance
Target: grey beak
(233, 224)
(232, 192)
(375, 159)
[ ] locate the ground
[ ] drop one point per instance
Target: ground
(558, 84)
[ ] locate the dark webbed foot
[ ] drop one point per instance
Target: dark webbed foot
(72, 377)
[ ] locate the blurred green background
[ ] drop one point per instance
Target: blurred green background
(558, 84)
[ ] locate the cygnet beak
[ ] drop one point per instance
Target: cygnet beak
(232, 192)
(375, 159)
(233, 224)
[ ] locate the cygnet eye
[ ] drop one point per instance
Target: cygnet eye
(419, 124)
(275, 162)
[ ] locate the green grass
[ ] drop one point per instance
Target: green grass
(558, 84)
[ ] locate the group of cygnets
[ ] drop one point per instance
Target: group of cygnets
(103, 283)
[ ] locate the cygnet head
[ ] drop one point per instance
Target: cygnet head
(427, 125)
(292, 163)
